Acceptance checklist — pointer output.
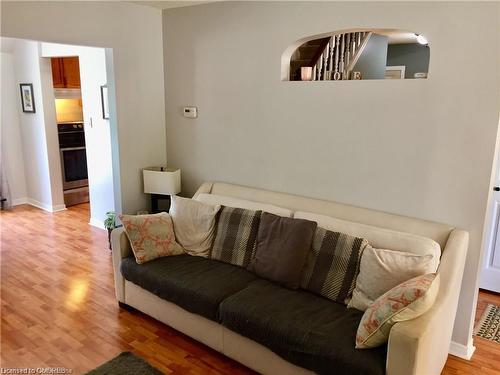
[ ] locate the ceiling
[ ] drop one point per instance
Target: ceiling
(172, 4)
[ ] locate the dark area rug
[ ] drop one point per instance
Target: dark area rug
(125, 363)
(489, 326)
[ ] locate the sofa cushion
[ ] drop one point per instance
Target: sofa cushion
(404, 302)
(151, 236)
(381, 270)
(194, 225)
(333, 264)
(222, 200)
(305, 329)
(283, 244)
(235, 235)
(378, 237)
(194, 283)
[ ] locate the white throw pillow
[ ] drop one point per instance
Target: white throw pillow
(381, 270)
(194, 224)
(242, 203)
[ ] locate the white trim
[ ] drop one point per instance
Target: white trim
(18, 201)
(97, 223)
(46, 207)
(58, 207)
(462, 351)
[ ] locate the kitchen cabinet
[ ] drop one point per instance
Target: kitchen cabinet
(65, 72)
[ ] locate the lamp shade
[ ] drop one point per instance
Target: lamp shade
(162, 180)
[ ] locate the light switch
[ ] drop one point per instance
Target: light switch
(190, 112)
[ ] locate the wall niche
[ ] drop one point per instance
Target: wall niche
(357, 54)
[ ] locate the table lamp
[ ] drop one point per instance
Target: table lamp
(161, 182)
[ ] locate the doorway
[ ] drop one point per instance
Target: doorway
(490, 269)
(66, 82)
(80, 92)
(61, 153)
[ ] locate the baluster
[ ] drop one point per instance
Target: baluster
(320, 66)
(330, 61)
(342, 51)
(345, 54)
(359, 39)
(326, 53)
(348, 49)
(336, 74)
(353, 48)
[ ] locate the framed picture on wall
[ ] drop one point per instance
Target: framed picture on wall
(104, 101)
(395, 72)
(27, 99)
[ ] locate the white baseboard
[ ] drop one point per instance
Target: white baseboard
(96, 223)
(18, 201)
(462, 351)
(58, 207)
(46, 207)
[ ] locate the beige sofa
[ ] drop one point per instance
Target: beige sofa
(419, 346)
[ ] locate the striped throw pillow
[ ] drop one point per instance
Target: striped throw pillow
(235, 236)
(333, 264)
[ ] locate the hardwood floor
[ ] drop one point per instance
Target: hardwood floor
(486, 359)
(58, 307)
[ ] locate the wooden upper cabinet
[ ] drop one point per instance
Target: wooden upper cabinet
(71, 70)
(57, 73)
(66, 72)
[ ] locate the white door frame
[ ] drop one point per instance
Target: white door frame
(489, 277)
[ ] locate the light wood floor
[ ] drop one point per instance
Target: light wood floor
(58, 307)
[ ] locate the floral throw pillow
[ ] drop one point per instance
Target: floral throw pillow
(406, 301)
(151, 236)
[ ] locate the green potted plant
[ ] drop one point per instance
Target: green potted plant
(110, 224)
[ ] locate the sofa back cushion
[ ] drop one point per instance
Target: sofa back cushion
(381, 270)
(379, 237)
(283, 244)
(333, 264)
(235, 235)
(222, 200)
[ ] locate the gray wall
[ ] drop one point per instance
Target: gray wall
(414, 56)
(372, 61)
(422, 148)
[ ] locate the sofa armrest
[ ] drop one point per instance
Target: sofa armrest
(421, 346)
(205, 188)
(121, 249)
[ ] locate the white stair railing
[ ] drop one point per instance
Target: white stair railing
(340, 56)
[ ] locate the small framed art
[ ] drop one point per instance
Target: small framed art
(104, 102)
(27, 99)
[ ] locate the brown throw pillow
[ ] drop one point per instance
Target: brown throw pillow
(282, 247)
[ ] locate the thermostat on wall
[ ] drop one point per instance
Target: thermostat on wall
(190, 112)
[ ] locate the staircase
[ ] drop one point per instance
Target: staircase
(332, 57)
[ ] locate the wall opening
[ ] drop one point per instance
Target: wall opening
(357, 54)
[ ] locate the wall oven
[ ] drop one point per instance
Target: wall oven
(73, 155)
